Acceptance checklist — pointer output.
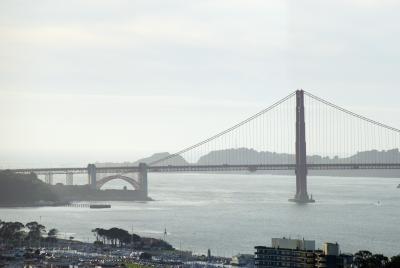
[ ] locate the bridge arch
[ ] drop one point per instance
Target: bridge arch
(136, 185)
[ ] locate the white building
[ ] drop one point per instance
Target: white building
(288, 243)
(331, 249)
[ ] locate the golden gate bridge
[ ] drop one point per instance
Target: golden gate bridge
(300, 132)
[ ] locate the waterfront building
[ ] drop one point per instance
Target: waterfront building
(330, 257)
(300, 253)
(291, 253)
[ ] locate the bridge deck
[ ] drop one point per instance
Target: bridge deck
(210, 168)
(256, 167)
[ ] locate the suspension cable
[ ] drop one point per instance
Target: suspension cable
(225, 131)
(352, 113)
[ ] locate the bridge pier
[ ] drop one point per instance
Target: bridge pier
(49, 178)
(301, 153)
(143, 179)
(69, 179)
(91, 168)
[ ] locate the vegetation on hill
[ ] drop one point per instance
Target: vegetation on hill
(32, 233)
(366, 259)
(120, 237)
(23, 189)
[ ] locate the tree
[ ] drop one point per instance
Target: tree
(394, 262)
(98, 243)
(11, 232)
(145, 256)
(35, 231)
(115, 236)
(378, 260)
(100, 234)
(52, 235)
(365, 259)
(96, 233)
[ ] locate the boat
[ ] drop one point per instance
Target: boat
(100, 206)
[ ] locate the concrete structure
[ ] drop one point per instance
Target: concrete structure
(48, 178)
(301, 152)
(69, 179)
(286, 252)
(135, 184)
(92, 175)
(270, 257)
(330, 257)
(139, 184)
(143, 178)
(331, 249)
(137, 177)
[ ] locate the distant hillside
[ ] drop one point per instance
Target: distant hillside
(177, 160)
(20, 189)
(251, 156)
(243, 155)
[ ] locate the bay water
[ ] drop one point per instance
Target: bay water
(232, 213)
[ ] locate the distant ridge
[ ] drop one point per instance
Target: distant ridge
(251, 156)
(178, 160)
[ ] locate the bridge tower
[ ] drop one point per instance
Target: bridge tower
(301, 153)
(143, 179)
(91, 168)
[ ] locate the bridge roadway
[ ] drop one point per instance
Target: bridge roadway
(208, 168)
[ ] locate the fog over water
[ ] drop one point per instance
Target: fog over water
(231, 213)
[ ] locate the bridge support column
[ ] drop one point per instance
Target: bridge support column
(143, 179)
(69, 179)
(301, 153)
(92, 175)
(49, 178)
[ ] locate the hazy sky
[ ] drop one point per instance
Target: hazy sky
(84, 81)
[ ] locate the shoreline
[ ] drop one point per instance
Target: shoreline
(65, 203)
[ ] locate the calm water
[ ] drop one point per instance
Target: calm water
(233, 213)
